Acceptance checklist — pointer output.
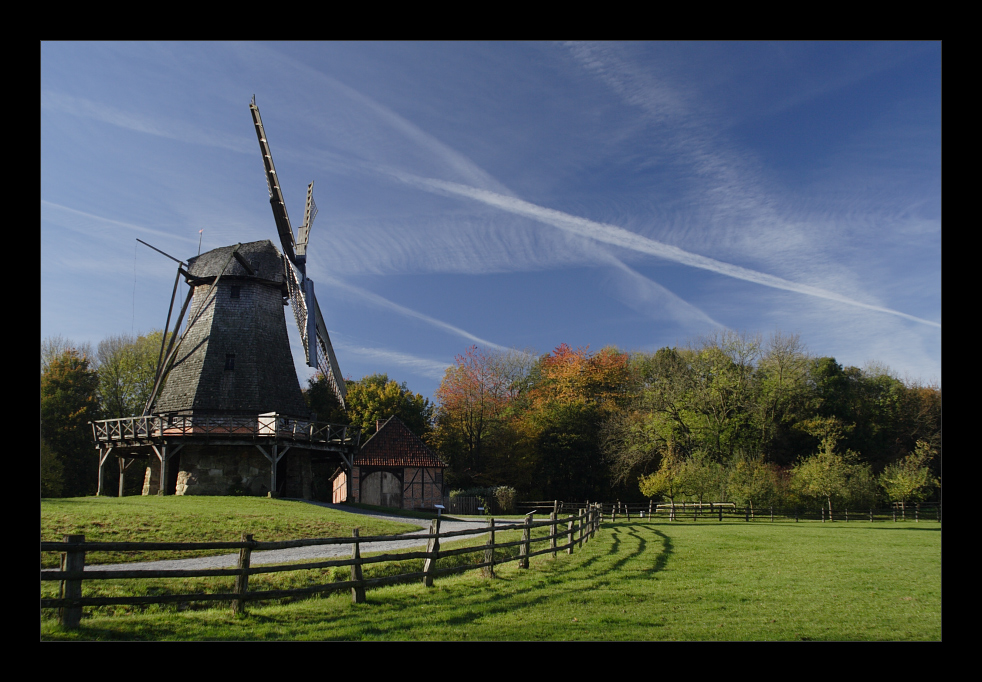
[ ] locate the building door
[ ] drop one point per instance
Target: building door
(382, 488)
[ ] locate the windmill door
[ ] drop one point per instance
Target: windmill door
(382, 488)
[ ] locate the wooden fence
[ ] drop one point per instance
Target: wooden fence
(727, 510)
(572, 532)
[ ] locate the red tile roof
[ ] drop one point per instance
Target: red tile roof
(395, 445)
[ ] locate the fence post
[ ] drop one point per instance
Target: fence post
(579, 523)
(433, 549)
(71, 560)
(242, 580)
(552, 532)
(569, 538)
(847, 515)
(523, 549)
(488, 570)
(358, 591)
(916, 509)
(871, 515)
(772, 513)
(746, 513)
(720, 512)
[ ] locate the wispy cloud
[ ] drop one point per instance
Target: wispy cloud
(617, 236)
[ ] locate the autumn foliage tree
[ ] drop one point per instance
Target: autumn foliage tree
(472, 399)
(560, 418)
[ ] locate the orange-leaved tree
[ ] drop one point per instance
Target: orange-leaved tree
(472, 398)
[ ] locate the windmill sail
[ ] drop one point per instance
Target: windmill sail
(273, 185)
(327, 361)
(309, 213)
(313, 332)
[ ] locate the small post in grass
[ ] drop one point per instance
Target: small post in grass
(569, 540)
(242, 580)
(433, 549)
(73, 560)
(357, 591)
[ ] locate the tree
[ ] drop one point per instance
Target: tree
(320, 398)
(53, 347)
(668, 481)
(127, 369)
(909, 480)
(52, 472)
(69, 400)
(753, 482)
(472, 399)
(572, 394)
(376, 398)
(782, 397)
(828, 474)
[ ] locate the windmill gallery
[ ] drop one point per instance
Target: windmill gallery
(226, 414)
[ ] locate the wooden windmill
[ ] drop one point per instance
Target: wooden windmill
(226, 395)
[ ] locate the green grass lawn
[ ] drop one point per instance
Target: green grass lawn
(636, 580)
(195, 519)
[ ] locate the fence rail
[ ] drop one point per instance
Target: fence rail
(564, 535)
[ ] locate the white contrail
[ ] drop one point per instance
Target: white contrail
(618, 236)
(432, 369)
(110, 221)
(409, 312)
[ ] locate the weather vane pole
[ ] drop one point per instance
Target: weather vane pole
(199, 241)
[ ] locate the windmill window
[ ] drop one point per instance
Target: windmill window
(230, 361)
(235, 291)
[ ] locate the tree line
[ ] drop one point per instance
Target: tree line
(727, 417)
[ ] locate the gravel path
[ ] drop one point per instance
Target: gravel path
(311, 553)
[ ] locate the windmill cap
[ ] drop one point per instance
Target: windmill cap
(261, 255)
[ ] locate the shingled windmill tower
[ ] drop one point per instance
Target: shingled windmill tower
(226, 414)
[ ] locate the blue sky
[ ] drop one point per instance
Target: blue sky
(510, 195)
